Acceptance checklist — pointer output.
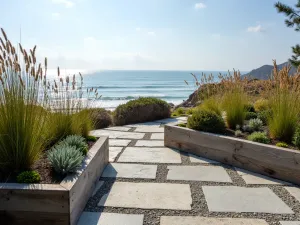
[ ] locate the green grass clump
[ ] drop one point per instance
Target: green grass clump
(65, 159)
(212, 104)
(234, 105)
(261, 105)
(29, 177)
(141, 110)
(182, 125)
(76, 141)
(282, 145)
(250, 115)
(91, 138)
(255, 124)
(264, 116)
(296, 137)
(178, 112)
(207, 121)
(190, 111)
(260, 137)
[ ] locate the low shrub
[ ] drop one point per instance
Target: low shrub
(190, 111)
(260, 137)
(238, 133)
(261, 105)
(282, 145)
(76, 141)
(178, 112)
(101, 118)
(296, 137)
(249, 108)
(65, 159)
(264, 116)
(29, 177)
(255, 124)
(141, 110)
(207, 121)
(250, 115)
(182, 125)
(212, 104)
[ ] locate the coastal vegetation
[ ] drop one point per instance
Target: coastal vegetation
(265, 111)
(37, 116)
(141, 110)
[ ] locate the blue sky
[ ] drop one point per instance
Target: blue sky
(153, 34)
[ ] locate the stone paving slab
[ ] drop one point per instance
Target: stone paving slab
(118, 128)
(198, 173)
(114, 152)
(295, 191)
(147, 143)
(122, 170)
(150, 155)
(98, 186)
(242, 199)
(119, 142)
(157, 136)
(173, 121)
(255, 178)
(194, 220)
(149, 129)
(97, 218)
(198, 159)
(148, 196)
(146, 124)
(289, 222)
(117, 134)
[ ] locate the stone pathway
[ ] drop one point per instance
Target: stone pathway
(147, 183)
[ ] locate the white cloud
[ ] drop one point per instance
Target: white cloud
(66, 3)
(256, 29)
(200, 5)
(151, 33)
(55, 16)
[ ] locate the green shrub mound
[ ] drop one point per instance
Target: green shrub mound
(101, 118)
(282, 145)
(250, 115)
(141, 110)
(255, 124)
(76, 141)
(260, 137)
(91, 138)
(264, 116)
(65, 159)
(207, 121)
(296, 137)
(29, 177)
(238, 133)
(179, 112)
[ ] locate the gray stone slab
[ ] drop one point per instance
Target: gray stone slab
(149, 129)
(150, 155)
(117, 134)
(149, 143)
(118, 128)
(255, 178)
(158, 136)
(198, 173)
(123, 170)
(243, 199)
(148, 196)
(98, 186)
(198, 159)
(289, 222)
(195, 220)
(119, 142)
(295, 191)
(146, 124)
(114, 152)
(97, 218)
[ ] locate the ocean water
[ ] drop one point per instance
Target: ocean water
(118, 87)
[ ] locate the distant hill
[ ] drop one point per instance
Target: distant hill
(264, 72)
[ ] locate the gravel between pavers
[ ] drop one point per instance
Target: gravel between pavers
(199, 206)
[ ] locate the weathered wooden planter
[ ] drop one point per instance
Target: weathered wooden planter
(54, 203)
(265, 159)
